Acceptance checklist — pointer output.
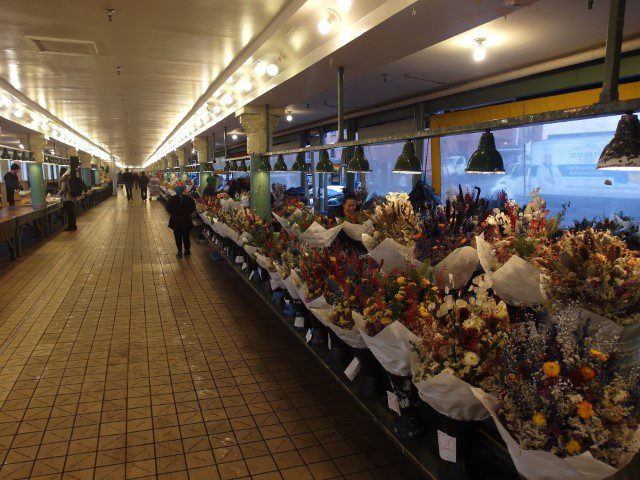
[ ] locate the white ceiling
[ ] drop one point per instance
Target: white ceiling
(175, 53)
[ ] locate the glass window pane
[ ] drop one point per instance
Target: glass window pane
(382, 159)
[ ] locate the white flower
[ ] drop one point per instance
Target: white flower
(470, 359)
(620, 396)
(577, 398)
(448, 370)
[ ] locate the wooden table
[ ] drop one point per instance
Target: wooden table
(36, 217)
(8, 234)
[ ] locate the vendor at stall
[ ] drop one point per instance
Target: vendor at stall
(349, 206)
(210, 189)
(12, 183)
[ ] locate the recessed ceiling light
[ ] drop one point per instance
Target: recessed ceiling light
(260, 69)
(326, 23)
(216, 109)
(289, 117)
(244, 85)
(272, 70)
(234, 136)
(344, 5)
(227, 99)
(18, 113)
(480, 52)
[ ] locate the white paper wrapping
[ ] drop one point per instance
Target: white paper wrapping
(291, 288)
(275, 281)
(319, 302)
(518, 283)
(251, 250)
(281, 220)
(318, 236)
(391, 254)
(486, 254)
(391, 347)
(457, 268)
(264, 262)
(355, 231)
(353, 338)
(452, 397)
(628, 336)
(542, 465)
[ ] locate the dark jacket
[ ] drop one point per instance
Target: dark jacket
(143, 180)
(180, 207)
(127, 177)
(209, 191)
(11, 182)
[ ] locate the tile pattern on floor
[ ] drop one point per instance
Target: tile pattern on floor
(118, 360)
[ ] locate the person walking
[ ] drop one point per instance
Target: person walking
(143, 181)
(70, 188)
(181, 207)
(12, 183)
(136, 179)
(127, 179)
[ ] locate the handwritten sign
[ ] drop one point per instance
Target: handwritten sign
(447, 447)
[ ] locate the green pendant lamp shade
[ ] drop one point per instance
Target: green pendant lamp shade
(408, 162)
(25, 156)
(5, 154)
(15, 156)
(623, 151)
(227, 167)
(324, 165)
(487, 158)
(243, 167)
(359, 163)
(233, 167)
(263, 164)
(300, 165)
(280, 166)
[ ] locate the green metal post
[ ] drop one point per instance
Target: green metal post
(260, 198)
(36, 184)
(86, 176)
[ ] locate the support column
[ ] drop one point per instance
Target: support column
(182, 162)
(258, 123)
(36, 145)
(201, 146)
(85, 167)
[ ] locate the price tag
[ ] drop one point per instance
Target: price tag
(299, 322)
(352, 369)
(447, 447)
(244, 266)
(392, 401)
(239, 259)
(308, 335)
(329, 341)
(287, 301)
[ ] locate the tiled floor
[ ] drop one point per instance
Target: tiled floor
(118, 360)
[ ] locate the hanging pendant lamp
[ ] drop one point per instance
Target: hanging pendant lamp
(263, 164)
(280, 165)
(32, 158)
(243, 166)
(5, 154)
(324, 165)
(300, 165)
(25, 156)
(408, 162)
(359, 163)
(15, 156)
(623, 151)
(487, 158)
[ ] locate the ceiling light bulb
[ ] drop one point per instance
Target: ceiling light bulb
(244, 85)
(325, 26)
(18, 113)
(21, 146)
(234, 136)
(216, 109)
(227, 99)
(289, 117)
(260, 68)
(480, 52)
(272, 69)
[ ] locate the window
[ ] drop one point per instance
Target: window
(559, 158)
(382, 158)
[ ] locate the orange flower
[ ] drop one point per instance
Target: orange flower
(585, 410)
(538, 419)
(573, 447)
(511, 378)
(599, 355)
(587, 373)
(551, 369)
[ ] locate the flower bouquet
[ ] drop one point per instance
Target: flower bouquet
(566, 405)
(597, 270)
(395, 303)
(357, 224)
(317, 230)
(394, 220)
(460, 347)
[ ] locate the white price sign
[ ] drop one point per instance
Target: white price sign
(308, 335)
(299, 322)
(352, 369)
(447, 447)
(392, 401)
(239, 259)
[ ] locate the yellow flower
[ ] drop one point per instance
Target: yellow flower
(399, 297)
(551, 369)
(333, 259)
(599, 355)
(352, 298)
(573, 447)
(585, 410)
(387, 312)
(511, 378)
(400, 280)
(538, 419)
(425, 283)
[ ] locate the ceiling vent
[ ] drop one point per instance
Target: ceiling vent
(64, 46)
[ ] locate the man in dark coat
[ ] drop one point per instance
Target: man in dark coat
(181, 207)
(12, 183)
(127, 179)
(143, 181)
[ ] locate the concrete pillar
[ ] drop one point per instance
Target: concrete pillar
(201, 146)
(85, 167)
(37, 144)
(182, 162)
(258, 123)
